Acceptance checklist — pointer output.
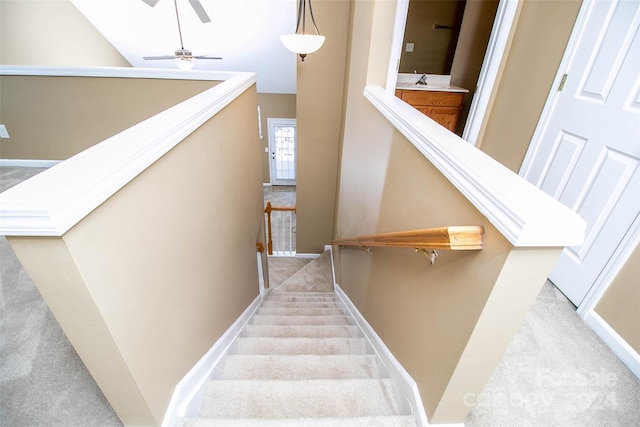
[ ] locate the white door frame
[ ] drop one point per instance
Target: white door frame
(586, 310)
(271, 122)
(505, 16)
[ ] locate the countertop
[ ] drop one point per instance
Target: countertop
(434, 87)
(435, 83)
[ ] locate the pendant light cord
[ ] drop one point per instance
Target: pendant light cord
(302, 8)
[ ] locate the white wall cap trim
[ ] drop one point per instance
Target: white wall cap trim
(52, 202)
(122, 72)
(25, 163)
(525, 215)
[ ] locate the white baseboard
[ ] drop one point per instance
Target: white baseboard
(407, 385)
(616, 343)
(189, 393)
(25, 163)
(397, 373)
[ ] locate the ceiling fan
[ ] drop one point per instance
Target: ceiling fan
(183, 56)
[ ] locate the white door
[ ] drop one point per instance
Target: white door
(586, 150)
(282, 149)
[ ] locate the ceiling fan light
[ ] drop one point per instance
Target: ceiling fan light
(302, 43)
(184, 64)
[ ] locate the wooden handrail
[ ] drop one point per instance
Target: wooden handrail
(268, 209)
(281, 208)
(454, 238)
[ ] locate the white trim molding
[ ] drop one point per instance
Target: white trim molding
(115, 72)
(188, 395)
(616, 343)
(55, 200)
(524, 214)
(491, 68)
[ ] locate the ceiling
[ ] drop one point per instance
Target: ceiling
(245, 33)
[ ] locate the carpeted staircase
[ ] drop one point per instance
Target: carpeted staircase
(301, 361)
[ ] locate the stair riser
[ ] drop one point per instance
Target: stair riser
(302, 311)
(301, 320)
(275, 346)
(273, 297)
(397, 421)
(301, 331)
(303, 305)
(276, 292)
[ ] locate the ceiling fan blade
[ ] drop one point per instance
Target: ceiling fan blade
(151, 2)
(197, 7)
(154, 58)
(207, 57)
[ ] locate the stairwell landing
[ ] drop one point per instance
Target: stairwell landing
(302, 361)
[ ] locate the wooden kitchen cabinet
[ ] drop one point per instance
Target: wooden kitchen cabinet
(443, 107)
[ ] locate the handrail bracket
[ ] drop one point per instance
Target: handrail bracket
(432, 254)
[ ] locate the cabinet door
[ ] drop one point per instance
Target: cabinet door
(446, 116)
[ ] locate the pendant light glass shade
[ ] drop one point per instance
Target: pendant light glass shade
(301, 42)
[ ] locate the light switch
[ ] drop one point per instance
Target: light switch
(409, 47)
(266, 149)
(3, 132)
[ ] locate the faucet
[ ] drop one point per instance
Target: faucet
(423, 80)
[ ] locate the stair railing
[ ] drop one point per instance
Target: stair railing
(452, 238)
(284, 220)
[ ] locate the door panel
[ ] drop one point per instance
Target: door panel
(587, 154)
(282, 147)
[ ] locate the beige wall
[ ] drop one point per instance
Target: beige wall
(433, 48)
(275, 106)
(447, 324)
(620, 305)
(146, 283)
(52, 32)
(470, 50)
(53, 118)
(539, 40)
(319, 97)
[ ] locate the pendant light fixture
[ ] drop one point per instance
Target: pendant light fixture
(303, 43)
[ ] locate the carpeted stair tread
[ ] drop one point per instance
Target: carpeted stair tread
(300, 331)
(326, 294)
(301, 304)
(267, 319)
(300, 367)
(293, 298)
(270, 345)
(298, 399)
(280, 311)
(385, 421)
(301, 361)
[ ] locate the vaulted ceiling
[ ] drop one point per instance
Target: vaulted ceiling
(245, 33)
